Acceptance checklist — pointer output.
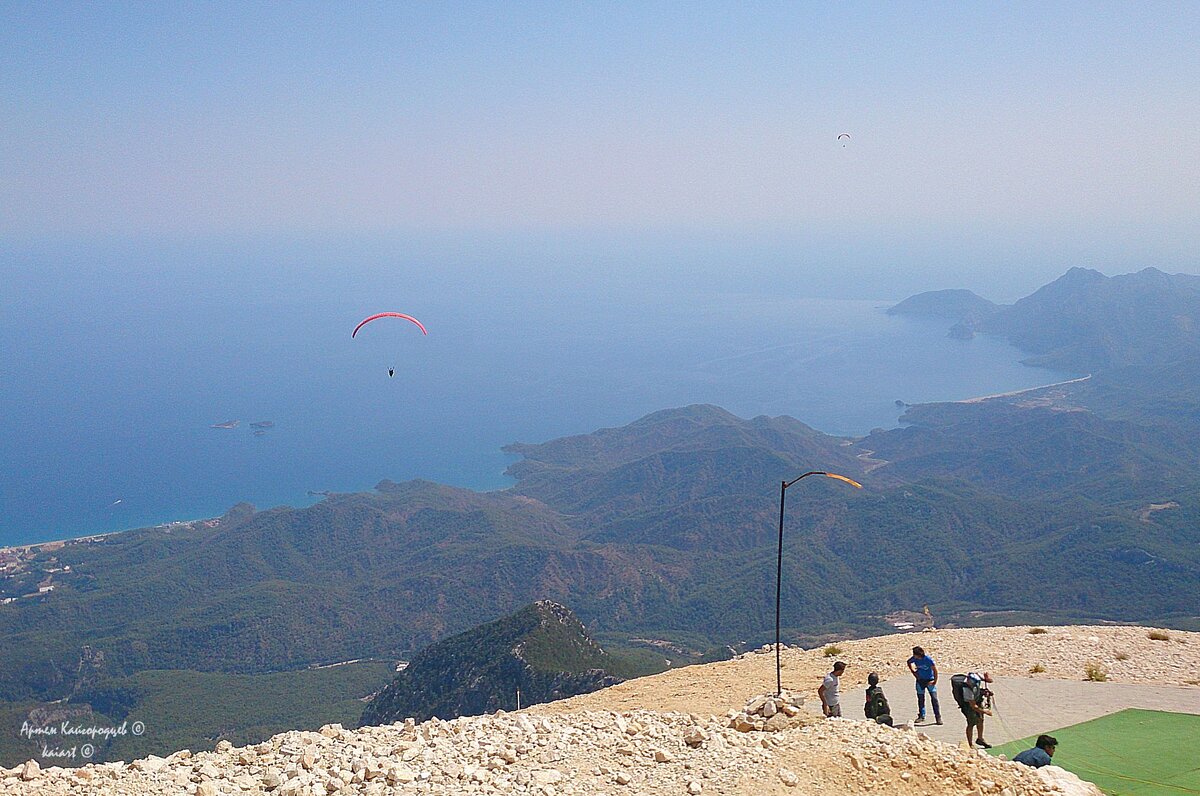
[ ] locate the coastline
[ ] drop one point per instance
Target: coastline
(95, 537)
(886, 418)
(1010, 393)
(55, 544)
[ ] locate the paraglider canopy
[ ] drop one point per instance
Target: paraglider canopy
(379, 315)
(844, 137)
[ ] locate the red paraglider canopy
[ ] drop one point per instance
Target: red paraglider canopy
(365, 321)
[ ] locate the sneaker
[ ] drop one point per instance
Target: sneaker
(939, 721)
(983, 743)
(918, 719)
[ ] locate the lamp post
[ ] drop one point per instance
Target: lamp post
(783, 487)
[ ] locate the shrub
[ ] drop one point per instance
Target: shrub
(832, 651)
(1122, 656)
(1095, 673)
(1037, 668)
(1158, 635)
(1037, 631)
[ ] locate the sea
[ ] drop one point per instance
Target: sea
(118, 359)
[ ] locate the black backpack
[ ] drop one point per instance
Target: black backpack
(877, 704)
(957, 683)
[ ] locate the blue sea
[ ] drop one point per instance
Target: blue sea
(118, 359)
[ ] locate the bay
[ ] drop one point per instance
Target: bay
(118, 360)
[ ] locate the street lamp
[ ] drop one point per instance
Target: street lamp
(783, 487)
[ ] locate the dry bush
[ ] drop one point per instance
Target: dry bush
(1037, 631)
(832, 651)
(1037, 668)
(1095, 673)
(1158, 635)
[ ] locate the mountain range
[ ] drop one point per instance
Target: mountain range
(1078, 501)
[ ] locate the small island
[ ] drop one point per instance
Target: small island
(263, 424)
(226, 424)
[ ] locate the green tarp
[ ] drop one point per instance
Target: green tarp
(1142, 752)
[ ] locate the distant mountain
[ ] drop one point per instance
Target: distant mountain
(1085, 321)
(954, 305)
(668, 464)
(543, 651)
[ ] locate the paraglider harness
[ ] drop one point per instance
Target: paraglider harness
(958, 683)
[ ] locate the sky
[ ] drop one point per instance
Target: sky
(996, 122)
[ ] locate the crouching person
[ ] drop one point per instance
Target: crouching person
(877, 704)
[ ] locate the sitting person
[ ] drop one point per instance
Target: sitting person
(1040, 754)
(877, 704)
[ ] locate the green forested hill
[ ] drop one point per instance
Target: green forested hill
(542, 651)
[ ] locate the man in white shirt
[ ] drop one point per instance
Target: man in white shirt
(830, 691)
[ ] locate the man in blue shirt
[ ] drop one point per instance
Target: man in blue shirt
(925, 671)
(1040, 754)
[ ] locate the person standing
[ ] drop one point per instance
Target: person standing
(830, 691)
(925, 671)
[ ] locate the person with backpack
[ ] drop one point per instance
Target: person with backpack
(877, 704)
(925, 671)
(971, 695)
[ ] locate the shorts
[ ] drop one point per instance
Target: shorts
(974, 717)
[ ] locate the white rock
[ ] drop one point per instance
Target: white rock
(149, 764)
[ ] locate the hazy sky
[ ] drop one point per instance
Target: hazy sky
(167, 119)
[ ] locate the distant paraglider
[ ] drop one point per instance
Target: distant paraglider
(844, 137)
(377, 316)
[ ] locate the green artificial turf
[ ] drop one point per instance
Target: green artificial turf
(1142, 752)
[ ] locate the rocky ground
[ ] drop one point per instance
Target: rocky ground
(589, 752)
(689, 731)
